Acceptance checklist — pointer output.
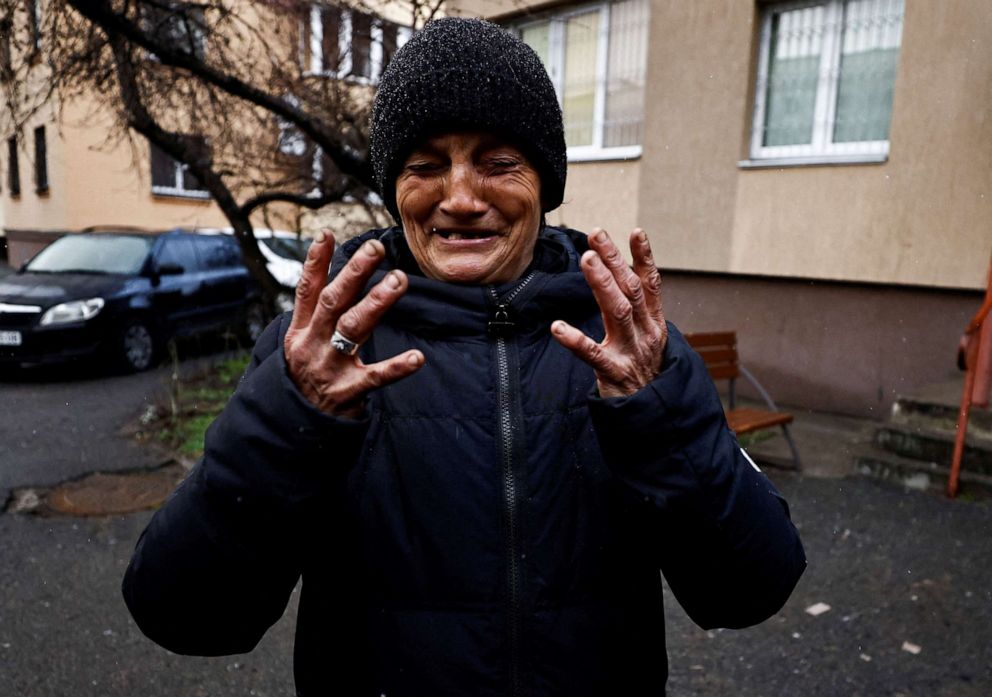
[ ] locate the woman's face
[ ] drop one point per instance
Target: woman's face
(471, 208)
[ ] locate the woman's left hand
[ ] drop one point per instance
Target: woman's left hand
(630, 354)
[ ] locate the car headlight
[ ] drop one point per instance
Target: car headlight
(74, 311)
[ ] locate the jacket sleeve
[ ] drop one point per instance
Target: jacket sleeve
(724, 538)
(216, 565)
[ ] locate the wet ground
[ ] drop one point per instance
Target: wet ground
(906, 577)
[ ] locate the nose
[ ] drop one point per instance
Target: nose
(463, 196)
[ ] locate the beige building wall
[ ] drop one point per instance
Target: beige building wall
(93, 184)
(921, 218)
(601, 194)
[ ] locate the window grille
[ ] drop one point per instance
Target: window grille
(345, 43)
(596, 56)
(825, 80)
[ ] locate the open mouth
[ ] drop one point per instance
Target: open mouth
(464, 234)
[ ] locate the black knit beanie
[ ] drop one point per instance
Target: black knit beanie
(461, 73)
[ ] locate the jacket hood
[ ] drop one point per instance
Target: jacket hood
(552, 288)
(48, 289)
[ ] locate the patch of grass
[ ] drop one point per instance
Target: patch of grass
(748, 440)
(193, 405)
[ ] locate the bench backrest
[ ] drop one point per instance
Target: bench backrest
(719, 352)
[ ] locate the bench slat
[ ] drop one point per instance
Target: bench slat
(745, 420)
(700, 339)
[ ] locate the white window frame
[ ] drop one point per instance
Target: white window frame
(556, 71)
(343, 69)
(821, 150)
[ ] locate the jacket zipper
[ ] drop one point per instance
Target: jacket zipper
(501, 326)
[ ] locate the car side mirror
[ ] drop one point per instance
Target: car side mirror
(170, 269)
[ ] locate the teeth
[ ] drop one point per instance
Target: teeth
(449, 235)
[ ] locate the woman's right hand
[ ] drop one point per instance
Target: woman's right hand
(334, 382)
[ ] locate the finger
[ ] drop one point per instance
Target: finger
(358, 322)
(389, 371)
(647, 271)
(617, 310)
(628, 282)
(313, 278)
(341, 293)
(582, 346)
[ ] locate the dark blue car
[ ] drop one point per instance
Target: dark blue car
(125, 295)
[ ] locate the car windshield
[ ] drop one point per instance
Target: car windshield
(123, 254)
(287, 247)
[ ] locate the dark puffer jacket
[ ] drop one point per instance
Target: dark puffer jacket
(492, 527)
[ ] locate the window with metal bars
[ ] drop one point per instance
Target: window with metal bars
(826, 76)
(343, 42)
(596, 56)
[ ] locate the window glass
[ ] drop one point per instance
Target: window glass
(124, 254)
(178, 250)
(13, 168)
(170, 176)
(330, 18)
(872, 33)
(389, 39)
(361, 44)
(793, 76)
(537, 36)
(218, 252)
(40, 160)
(579, 92)
(625, 76)
(176, 25)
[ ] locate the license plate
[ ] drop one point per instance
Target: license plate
(10, 338)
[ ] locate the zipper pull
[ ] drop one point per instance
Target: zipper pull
(500, 324)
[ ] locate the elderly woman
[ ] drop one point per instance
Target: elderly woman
(478, 443)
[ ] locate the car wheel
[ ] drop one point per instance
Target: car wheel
(254, 323)
(136, 349)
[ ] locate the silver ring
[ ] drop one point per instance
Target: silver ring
(343, 344)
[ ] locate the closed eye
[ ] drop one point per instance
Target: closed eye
(422, 167)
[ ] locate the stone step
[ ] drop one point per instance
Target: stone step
(933, 445)
(918, 474)
(936, 407)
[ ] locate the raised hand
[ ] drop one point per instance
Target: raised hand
(333, 380)
(630, 354)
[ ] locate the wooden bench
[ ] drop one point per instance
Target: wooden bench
(719, 352)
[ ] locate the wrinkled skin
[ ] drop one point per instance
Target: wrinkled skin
(471, 211)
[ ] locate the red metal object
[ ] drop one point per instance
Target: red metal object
(975, 356)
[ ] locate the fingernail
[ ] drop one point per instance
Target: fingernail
(392, 280)
(415, 358)
(600, 236)
(558, 327)
(369, 248)
(639, 234)
(320, 237)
